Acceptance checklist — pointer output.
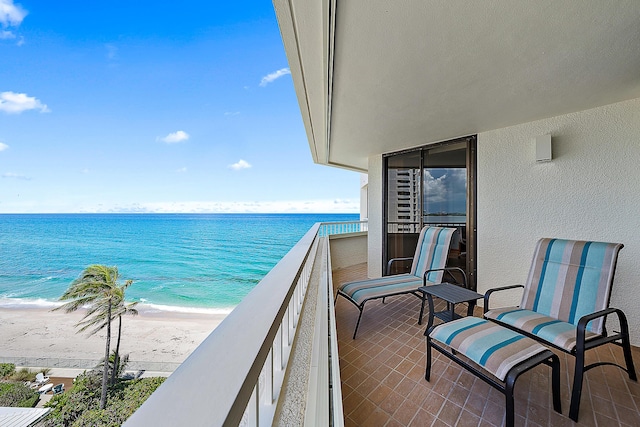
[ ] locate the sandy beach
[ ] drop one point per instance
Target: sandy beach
(159, 337)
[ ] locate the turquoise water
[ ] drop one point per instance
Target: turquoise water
(181, 262)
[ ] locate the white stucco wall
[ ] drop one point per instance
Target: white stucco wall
(589, 191)
(375, 217)
(348, 249)
(364, 196)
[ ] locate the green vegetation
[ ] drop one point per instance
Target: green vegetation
(25, 374)
(80, 406)
(14, 394)
(13, 390)
(6, 369)
(98, 288)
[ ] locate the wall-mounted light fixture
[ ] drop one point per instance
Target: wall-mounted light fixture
(543, 148)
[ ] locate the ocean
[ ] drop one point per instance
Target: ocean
(178, 262)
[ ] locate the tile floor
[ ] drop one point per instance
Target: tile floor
(383, 383)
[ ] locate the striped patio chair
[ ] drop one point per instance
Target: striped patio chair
(565, 304)
(428, 268)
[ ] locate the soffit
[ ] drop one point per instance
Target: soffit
(414, 72)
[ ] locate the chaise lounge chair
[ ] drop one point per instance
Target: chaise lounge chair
(427, 269)
(565, 304)
(58, 388)
(41, 379)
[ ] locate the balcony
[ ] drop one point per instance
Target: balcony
(285, 356)
(382, 374)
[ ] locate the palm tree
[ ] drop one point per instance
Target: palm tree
(97, 287)
(120, 310)
(98, 312)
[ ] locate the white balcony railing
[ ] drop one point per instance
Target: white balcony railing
(235, 377)
(346, 227)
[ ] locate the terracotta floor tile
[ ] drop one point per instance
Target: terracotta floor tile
(422, 419)
(433, 403)
(378, 418)
(449, 413)
(363, 411)
(381, 372)
(393, 379)
(406, 412)
(378, 395)
(467, 419)
(392, 402)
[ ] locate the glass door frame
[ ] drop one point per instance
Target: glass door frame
(471, 199)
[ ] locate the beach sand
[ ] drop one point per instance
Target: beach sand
(160, 337)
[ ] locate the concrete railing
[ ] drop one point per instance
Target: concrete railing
(235, 377)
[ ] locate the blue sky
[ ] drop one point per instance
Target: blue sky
(154, 106)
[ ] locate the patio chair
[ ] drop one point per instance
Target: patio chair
(428, 268)
(58, 388)
(41, 379)
(565, 304)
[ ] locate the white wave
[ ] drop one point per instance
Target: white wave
(8, 302)
(155, 308)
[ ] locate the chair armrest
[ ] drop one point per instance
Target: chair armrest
(487, 294)
(584, 320)
(446, 270)
(392, 260)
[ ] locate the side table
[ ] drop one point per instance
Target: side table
(452, 294)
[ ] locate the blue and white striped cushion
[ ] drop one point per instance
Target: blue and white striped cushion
(491, 346)
(554, 331)
(569, 279)
(365, 290)
(431, 253)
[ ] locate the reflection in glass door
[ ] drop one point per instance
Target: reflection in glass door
(432, 185)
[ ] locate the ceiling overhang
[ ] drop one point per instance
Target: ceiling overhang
(375, 76)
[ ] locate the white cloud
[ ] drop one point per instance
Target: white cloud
(232, 113)
(291, 206)
(435, 188)
(16, 103)
(85, 171)
(11, 15)
(15, 176)
(181, 170)
(274, 76)
(175, 137)
(3, 146)
(241, 164)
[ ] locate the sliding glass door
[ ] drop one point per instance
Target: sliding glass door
(431, 185)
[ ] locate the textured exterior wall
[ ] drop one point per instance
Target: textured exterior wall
(589, 191)
(348, 250)
(375, 217)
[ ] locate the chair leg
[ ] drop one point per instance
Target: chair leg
(358, 323)
(626, 348)
(555, 383)
(631, 370)
(576, 390)
(510, 411)
(427, 373)
(421, 309)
